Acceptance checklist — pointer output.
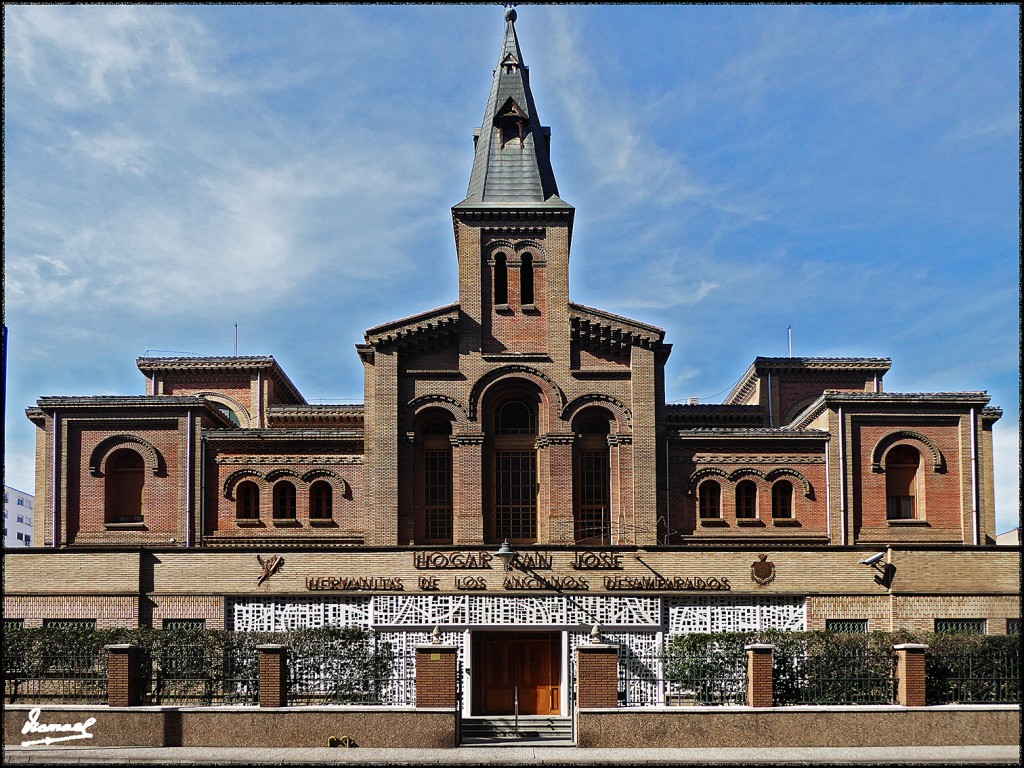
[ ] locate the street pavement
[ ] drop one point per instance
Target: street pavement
(514, 755)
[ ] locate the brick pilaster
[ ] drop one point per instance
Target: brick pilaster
(124, 676)
(910, 661)
(467, 465)
(273, 675)
(760, 683)
(437, 682)
(597, 676)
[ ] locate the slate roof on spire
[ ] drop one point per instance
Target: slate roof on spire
(511, 165)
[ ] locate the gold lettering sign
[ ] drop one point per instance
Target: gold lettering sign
(451, 560)
(355, 584)
(597, 561)
(549, 582)
(658, 583)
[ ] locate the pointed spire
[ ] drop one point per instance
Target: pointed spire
(511, 165)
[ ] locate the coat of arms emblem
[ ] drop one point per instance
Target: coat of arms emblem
(762, 571)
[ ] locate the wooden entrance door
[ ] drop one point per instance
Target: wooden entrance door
(507, 664)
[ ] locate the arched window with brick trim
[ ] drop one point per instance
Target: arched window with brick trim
(746, 500)
(125, 487)
(782, 499)
(902, 483)
(321, 499)
(513, 483)
(247, 501)
(284, 501)
(526, 280)
(709, 500)
(500, 280)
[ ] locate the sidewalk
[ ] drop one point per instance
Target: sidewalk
(533, 756)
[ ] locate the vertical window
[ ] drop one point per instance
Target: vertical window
(320, 500)
(592, 519)
(901, 483)
(746, 500)
(125, 484)
(435, 523)
(709, 497)
(513, 467)
(247, 501)
(500, 280)
(526, 280)
(284, 501)
(782, 499)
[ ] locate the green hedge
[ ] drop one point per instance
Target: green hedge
(193, 665)
(838, 667)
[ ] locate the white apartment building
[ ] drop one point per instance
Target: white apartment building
(18, 517)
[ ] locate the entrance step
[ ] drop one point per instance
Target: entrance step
(534, 730)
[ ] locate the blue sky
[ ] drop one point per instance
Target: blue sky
(851, 171)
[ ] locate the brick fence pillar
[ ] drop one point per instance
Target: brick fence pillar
(910, 691)
(760, 682)
(597, 676)
(124, 675)
(273, 675)
(437, 670)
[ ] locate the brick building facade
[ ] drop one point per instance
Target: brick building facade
(515, 415)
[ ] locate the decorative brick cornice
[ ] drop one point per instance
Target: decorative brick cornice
(433, 329)
(299, 416)
(684, 416)
(603, 330)
(277, 459)
(711, 458)
(157, 365)
(545, 441)
(468, 439)
(803, 367)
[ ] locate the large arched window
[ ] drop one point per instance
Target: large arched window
(526, 280)
(247, 501)
(321, 498)
(513, 468)
(592, 481)
(500, 280)
(902, 480)
(437, 490)
(284, 501)
(125, 487)
(709, 499)
(782, 499)
(746, 500)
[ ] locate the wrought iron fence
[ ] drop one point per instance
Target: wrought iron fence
(835, 675)
(974, 677)
(63, 677)
(715, 676)
(192, 672)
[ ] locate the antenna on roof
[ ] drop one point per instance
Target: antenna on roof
(790, 330)
(236, 339)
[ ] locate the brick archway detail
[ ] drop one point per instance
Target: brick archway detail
(883, 446)
(623, 415)
(236, 477)
(510, 371)
(150, 455)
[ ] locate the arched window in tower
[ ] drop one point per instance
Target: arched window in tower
(437, 522)
(513, 468)
(500, 280)
(284, 501)
(125, 487)
(526, 280)
(709, 499)
(247, 501)
(782, 499)
(746, 500)
(321, 498)
(592, 482)
(902, 483)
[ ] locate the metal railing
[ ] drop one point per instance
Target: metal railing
(64, 678)
(200, 675)
(974, 678)
(835, 677)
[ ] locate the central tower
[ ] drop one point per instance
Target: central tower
(513, 231)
